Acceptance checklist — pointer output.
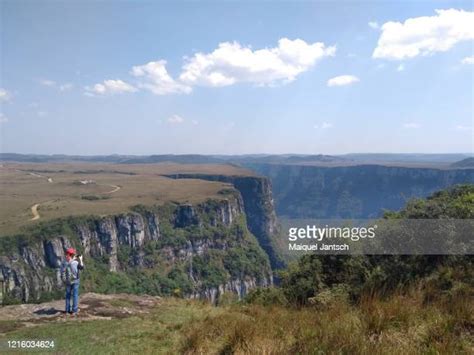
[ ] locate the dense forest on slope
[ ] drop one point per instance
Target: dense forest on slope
(382, 274)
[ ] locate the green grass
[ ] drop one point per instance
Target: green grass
(158, 332)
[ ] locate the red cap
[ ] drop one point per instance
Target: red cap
(70, 251)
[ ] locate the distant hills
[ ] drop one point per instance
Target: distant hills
(408, 157)
(175, 158)
(443, 160)
(183, 159)
(43, 158)
(465, 163)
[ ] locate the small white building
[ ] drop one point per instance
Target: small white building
(87, 182)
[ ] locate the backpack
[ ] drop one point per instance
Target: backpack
(67, 276)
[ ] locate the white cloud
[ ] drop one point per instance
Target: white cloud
(464, 128)
(3, 118)
(374, 25)
(42, 113)
(157, 79)
(324, 125)
(231, 63)
(58, 86)
(4, 95)
(401, 67)
(195, 122)
(228, 64)
(342, 80)
(468, 60)
(110, 87)
(424, 35)
(47, 82)
(175, 119)
(65, 87)
(411, 125)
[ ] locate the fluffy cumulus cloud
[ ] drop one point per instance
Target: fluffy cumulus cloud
(228, 64)
(468, 60)
(175, 119)
(342, 80)
(4, 95)
(424, 35)
(110, 87)
(231, 63)
(155, 78)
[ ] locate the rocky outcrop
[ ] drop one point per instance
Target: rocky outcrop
(238, 286)
(186, 216)
(54, 251)
(132, 241)
(258, 205)
(94, 306)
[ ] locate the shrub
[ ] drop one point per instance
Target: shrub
(227, 298)
(266, 297)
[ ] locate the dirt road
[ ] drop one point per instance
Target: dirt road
(34, 210)
(115, 189)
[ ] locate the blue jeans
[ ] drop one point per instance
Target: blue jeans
(72, 290)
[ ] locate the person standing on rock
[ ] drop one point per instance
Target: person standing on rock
(70, 276)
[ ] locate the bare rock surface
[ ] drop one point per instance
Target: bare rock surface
(92, 306)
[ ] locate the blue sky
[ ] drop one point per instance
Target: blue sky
(236, 77)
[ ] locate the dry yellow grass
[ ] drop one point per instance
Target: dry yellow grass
(56, 189)
(402, 324)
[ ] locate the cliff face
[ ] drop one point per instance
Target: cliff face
(354, 191)
(198, 251)
(258, 205)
